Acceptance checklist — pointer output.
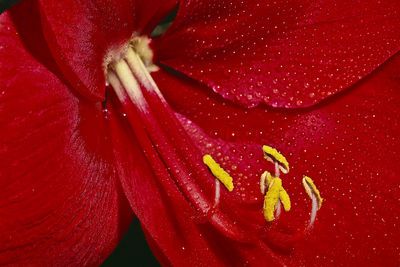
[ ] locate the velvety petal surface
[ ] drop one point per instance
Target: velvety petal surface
(283, 53)
(348, 144)
(61, 203)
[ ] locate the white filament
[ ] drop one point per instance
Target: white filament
(314, 210)
(278, 209)
(217, 193)
(277, 173)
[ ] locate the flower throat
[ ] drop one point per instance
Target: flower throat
(169, 150)
(163, 139)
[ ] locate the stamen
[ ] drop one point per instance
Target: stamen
(218, 172)
(283, 198)
(272, 155)
(316, 198)
(271, 199)
(312, 190)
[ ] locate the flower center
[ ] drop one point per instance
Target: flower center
(174, 157)
(141, 45)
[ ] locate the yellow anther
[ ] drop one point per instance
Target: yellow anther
(275, 193)
(271, 199)
(269, 178)
(218, 172)
(265, 181)
(272, 155)
(311, 190)
(284, 197)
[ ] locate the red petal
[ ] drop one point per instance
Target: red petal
(84, 36)
(160, 184)
(163, 215)
(61, 202)
(283, 53)
(177, 233)
(348, 144)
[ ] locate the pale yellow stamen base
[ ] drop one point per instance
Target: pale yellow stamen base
(218, 172)
(142, 47)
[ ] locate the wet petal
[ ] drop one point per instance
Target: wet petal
(346, 144)
(282, 53)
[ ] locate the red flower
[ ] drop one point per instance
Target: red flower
(322, 79)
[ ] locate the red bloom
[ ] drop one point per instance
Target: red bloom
(319, 81)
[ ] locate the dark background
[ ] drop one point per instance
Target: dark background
(4, 4)
(133, 249)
